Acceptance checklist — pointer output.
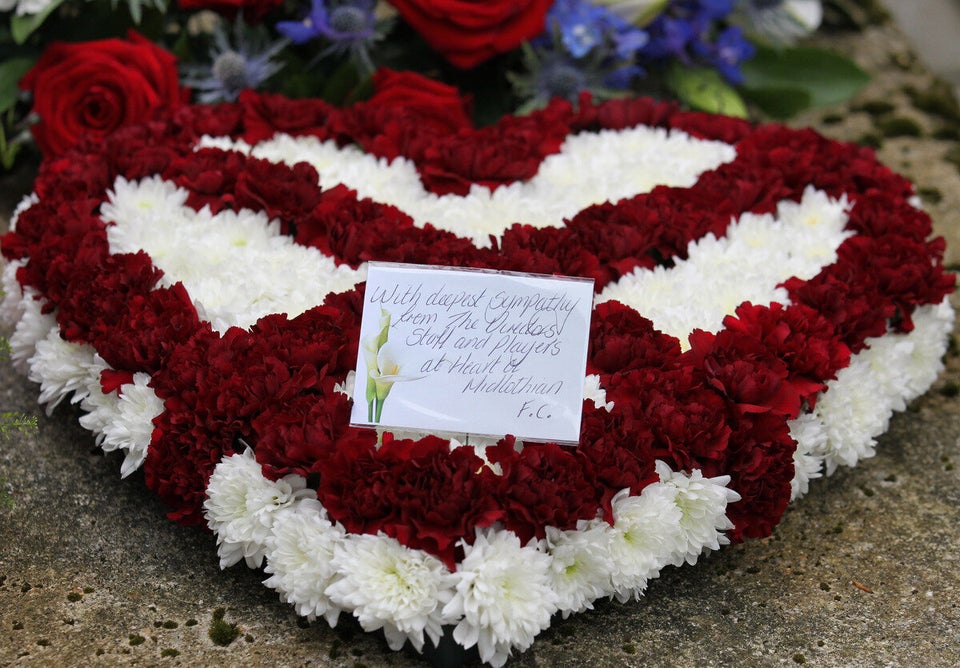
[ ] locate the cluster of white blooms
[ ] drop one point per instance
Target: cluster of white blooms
(755, 256)
(589, 168)
(121, 420)
(241, 505)
(856, 407)
(235, 265)
(501, 595)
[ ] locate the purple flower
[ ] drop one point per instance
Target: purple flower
(584, 26)
(729, 50)
(349, 26)
(692, 33)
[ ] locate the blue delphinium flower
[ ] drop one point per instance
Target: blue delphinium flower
(244, 63)
(584, 26)
(689, 32)
(586, 49)
(727, 52)
(350, 27)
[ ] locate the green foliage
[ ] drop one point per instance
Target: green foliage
(222, 632)
(786, 81)
(6, 499)
(136, 7)
(10, 73)
(706, 90)
(11, 421)
(21, 27)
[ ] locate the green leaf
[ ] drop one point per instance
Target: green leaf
(11, 71)
(706, 90)
(823, 76)
(341, 83)
(22, 26)
(779, 103)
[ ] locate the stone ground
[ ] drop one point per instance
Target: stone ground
(862, 572)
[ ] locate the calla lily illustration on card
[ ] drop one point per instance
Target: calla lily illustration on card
(383, 368)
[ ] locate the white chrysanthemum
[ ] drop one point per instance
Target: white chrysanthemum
(299, 553)
(241, 504)
(887, 358)
(615, 164)
(235, 265)
(646, 533)
(757, 253)
(131, 427)
(503, 596)
(62, 368)
(101, 409)
(34, 326)
(853, 414)
(811, 437)
(152, 198)
(224, 144)
(816, 210)
(23, 205)
(703, 504)
(11, 309)
(593, 392)
(387, 585)
(930, 338)
(581, 565)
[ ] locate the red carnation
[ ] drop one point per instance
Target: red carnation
(418, 492)
(544, 485)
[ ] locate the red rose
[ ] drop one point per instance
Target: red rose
(90, 89)
(468, 32)
(405, 116)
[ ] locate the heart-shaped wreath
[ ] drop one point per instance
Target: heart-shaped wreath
(765, 299)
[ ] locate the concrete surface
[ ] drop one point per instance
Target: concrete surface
(934, 28)
(862, 572)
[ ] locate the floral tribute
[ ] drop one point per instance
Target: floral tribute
(765, 300)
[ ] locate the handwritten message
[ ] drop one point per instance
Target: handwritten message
(472, 352)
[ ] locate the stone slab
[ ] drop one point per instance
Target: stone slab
(862, 572)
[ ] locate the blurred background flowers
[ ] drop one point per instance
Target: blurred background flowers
(73, 68)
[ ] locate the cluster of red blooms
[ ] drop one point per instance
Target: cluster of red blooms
(721, 407)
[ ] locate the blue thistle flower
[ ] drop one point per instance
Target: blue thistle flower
(350, 27)
(244, 63)
(552, 70)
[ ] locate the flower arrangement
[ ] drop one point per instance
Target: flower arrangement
(765, 300)
(70, 69)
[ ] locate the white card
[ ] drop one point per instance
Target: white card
(467, 351)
